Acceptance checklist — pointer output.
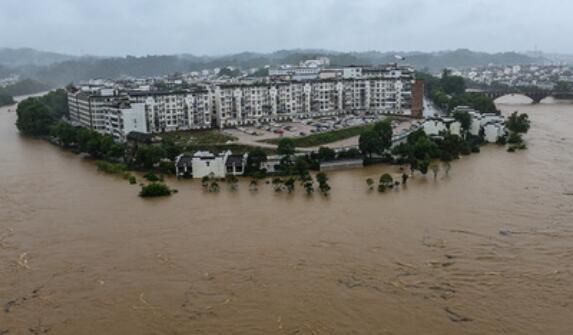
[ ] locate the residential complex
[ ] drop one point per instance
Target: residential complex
(159, 105)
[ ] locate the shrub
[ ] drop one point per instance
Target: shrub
(151, 176)
(111, 168)
(132, 180)
(154, 190)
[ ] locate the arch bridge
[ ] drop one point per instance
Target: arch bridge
(534, 94)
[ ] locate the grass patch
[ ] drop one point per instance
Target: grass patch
(199, 137)
(325, 138)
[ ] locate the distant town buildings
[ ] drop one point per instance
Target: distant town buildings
(541, 76)
(309, 90)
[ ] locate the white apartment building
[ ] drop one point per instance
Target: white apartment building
(360, 89)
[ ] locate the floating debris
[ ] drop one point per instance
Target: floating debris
(9, 305)
(23, 260)
(455, 317)
(505, 232)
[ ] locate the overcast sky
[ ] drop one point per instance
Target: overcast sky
(139, 27)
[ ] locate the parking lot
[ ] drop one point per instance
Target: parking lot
(253, 135)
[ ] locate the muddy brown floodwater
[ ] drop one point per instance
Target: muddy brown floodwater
(486, 250)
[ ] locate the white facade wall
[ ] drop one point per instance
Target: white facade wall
(434, 127)
(206, 164)
(134, 119)
(456, 128)
(493, 132)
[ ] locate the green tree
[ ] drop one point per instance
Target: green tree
(369, 143)
(65, 132)
(370, 183)
(286, 147)
(384, 131)
(447, 167)
(34, 118)
(405, 179)
(205, 181)
(326, 154)
(518, 123)
(290, 184)
(322, 180)
(232, 181)
(154, 190)
(254, 160)
(301, 166)
(278, 184)
(423, 166)
(149, 155)
(308, 185)
(435, 167)
(465, 119)
(387, 180)
(452, 85)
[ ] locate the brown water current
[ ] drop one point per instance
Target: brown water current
(485, 250)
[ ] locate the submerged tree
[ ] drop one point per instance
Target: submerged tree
(278, 184)
(308, 185)
(435, 167)
(405, 179)
(214, 186)
(447, 167)
(322, 180)
(387, 180)
(290, 184)
(518, 123)
(205, 181)
(370, 183)
(232, 181)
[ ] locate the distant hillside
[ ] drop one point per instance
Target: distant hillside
(27, 57)
(58, 69)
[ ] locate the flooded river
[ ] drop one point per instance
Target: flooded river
(485, 250)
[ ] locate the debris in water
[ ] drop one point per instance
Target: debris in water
(23, 260)
(455, 317)
(39, 329)
(4, 332)
(9, 305)
(568, 193)
(505, 232)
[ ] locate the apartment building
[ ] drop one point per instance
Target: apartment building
(383, 89)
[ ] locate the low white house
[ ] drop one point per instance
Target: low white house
(433, 127)
(205, 163)
(236, 164)
(493, 131)
(437, 126)
(271, 164)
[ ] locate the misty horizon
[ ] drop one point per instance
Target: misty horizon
(222, 27)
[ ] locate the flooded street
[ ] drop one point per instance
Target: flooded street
(487, 249)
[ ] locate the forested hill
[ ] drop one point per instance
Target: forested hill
(58, 69)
